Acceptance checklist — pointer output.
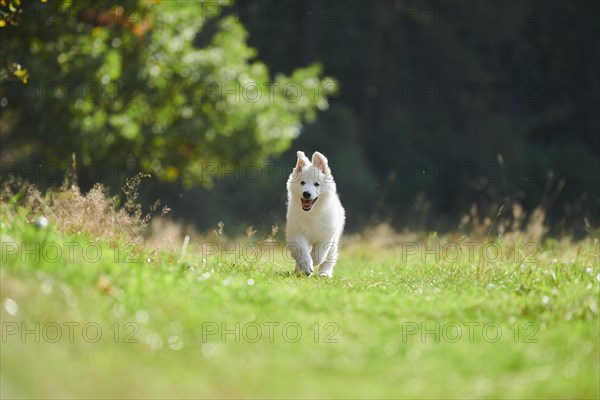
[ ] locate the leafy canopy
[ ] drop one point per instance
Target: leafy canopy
(167, 86)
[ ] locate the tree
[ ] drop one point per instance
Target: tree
(168, 86)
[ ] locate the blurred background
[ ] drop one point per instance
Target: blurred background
(434, 115)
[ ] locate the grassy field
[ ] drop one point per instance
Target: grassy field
(435, 318)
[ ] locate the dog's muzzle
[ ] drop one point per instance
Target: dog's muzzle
(307, 204)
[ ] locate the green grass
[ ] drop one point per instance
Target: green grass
(368, 332)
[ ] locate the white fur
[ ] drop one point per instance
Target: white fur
(313, 236)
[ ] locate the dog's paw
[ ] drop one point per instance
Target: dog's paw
(325, 274)
(308, 271)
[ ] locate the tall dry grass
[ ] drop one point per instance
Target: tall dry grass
(96, 213)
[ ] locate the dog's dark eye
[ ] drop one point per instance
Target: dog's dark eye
(316, 183)
(302, 183)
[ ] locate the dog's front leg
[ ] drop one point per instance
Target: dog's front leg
(330, 259)
(318, 253)
(300, 250)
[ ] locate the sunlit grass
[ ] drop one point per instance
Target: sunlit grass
(82, 317)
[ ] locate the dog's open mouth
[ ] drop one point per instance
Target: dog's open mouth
(308, 203)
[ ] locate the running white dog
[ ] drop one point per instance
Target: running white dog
(315, 216)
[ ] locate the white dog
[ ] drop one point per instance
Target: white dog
(315, 216)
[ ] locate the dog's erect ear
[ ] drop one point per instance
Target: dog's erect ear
(302, 161)
(320, 161)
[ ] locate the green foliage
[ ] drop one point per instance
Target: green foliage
(9, 12)
(166, 86)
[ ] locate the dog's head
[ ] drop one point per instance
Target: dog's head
(310, 181)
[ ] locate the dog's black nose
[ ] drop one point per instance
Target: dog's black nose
(306, 195)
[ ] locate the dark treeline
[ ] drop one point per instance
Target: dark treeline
(442, 109)
(444, 105)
